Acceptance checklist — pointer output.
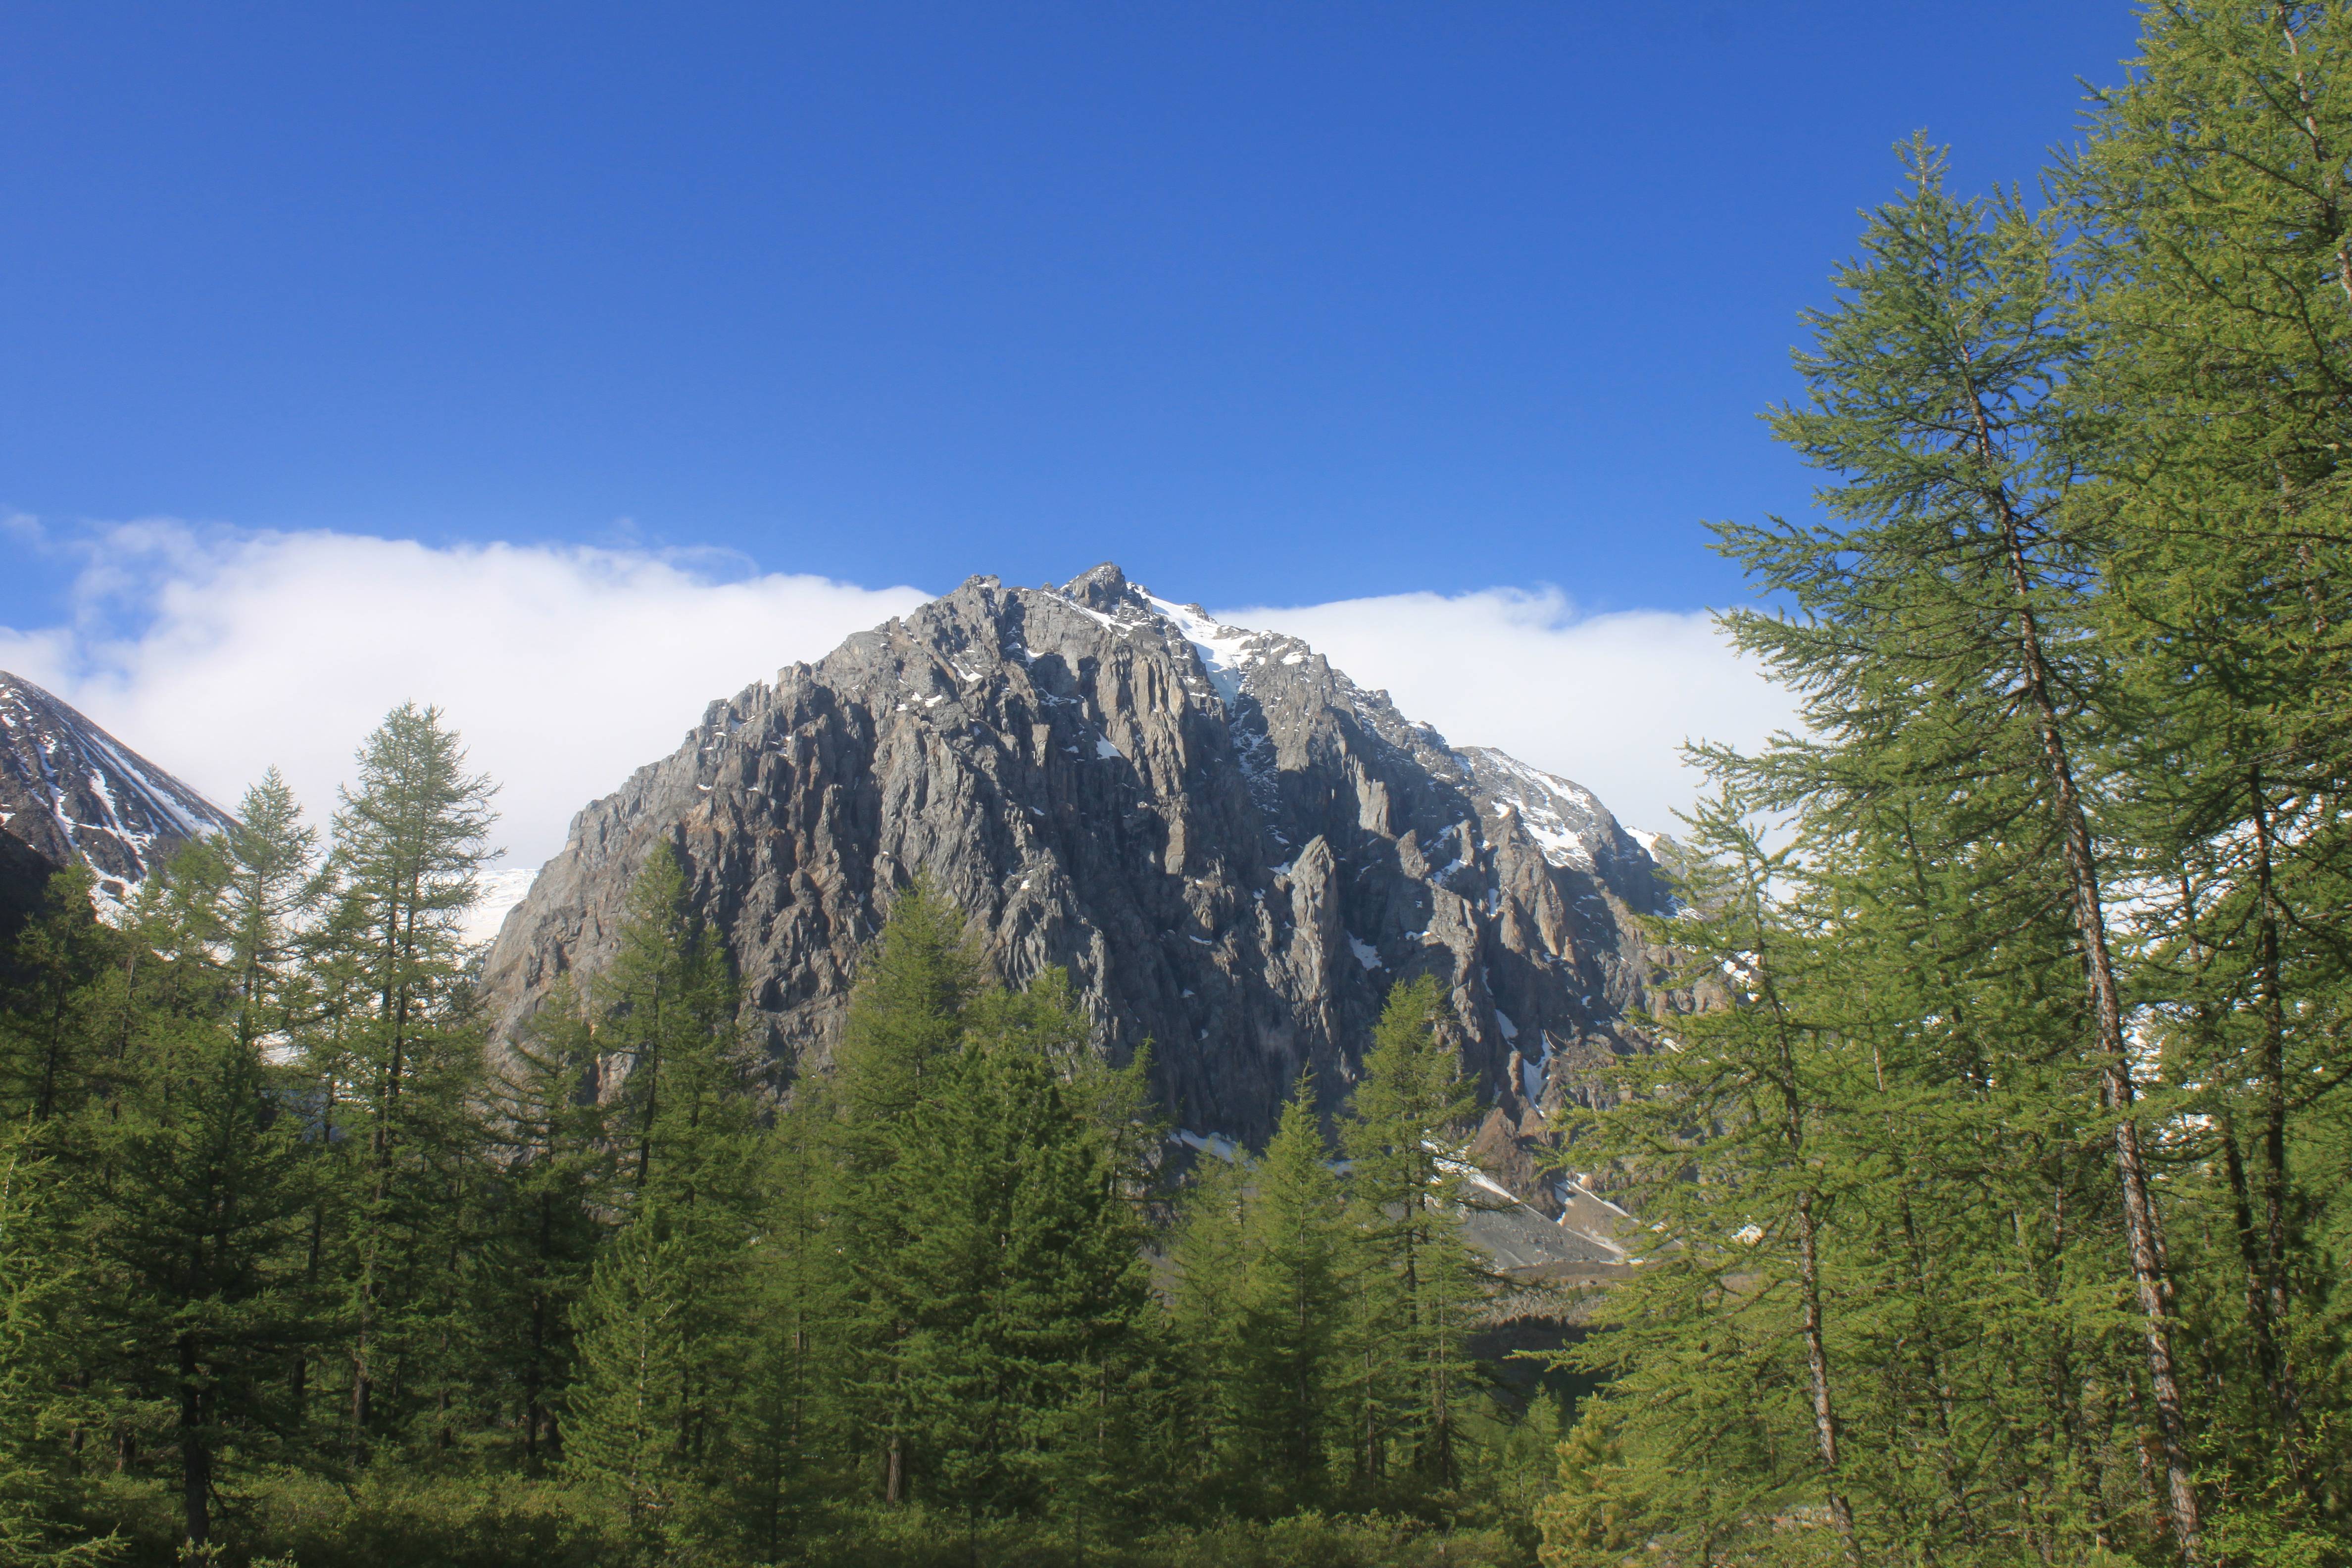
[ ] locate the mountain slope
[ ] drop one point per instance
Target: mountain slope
(1232, 848)
(70, 791)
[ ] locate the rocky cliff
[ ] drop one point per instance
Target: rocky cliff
(1232, 848)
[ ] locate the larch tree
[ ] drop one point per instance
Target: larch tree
(1300, 1247)
(1411, 1113)
(2217, 214)
(198, 1209)
(401, 1054)
(1941, 623)
(665, 1324)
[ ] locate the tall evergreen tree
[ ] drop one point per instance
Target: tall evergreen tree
(398, 1060)
(1208, 1292)
(632, 1410)
(665, 1000)
(197, 1205)
(1020, 1275)
(1941, 635)
(2213, 196)
(49, 1026)
(42, 1336)
(1265, 1253)
(546, 1215)
(1414, 1300)
(793, 1379)
(267, 891)
(664, 1325)
(917, 984)
(1298, 1249)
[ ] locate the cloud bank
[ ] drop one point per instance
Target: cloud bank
(218, 653)
(1607, 701)
(564, 667)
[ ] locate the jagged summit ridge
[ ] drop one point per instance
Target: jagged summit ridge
(1232, 847)
(71, 791)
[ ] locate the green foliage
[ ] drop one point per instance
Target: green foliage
(391, 1515)
(1995, 1191)
(1419, 1282)
(1265, 1255)
(393, 1060)
(1593, 1519)
(1015, 1283)
(200, 1191)
(1324, 1318)
(40, 1295)
(1297, 1258)
(545, 1218)
(668, 1314)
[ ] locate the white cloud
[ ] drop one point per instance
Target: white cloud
(217, 653)
(564, 667)
(1607, 701)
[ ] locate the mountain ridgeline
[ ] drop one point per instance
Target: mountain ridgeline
(70, 792)
(1233, 849)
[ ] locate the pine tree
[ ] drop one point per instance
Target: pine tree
(1207, 1318)
(1741, 1101)
(1585, 1524)
(1297, 1244)
(397, 1058)
(198, 1206)
(630, 1405)
(50, 1003)
(267, 891)
(1020, 1275)
(665, 996)
(1264, 1254)
(1415, 1297)
(917, 983)
(41, 1339)
(2214, 198)
(657, 1412)
(793, 1381)
(546, 1215)
(1943, 635)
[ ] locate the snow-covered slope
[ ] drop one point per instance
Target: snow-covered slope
(71, 791)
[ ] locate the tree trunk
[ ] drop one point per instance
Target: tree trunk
(195, 1456)
(2277, 1294)
(1817, 1363)
(1817, 1356)
(2149, 1279)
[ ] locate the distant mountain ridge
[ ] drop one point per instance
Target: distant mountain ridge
(69, 792)
(1232, 847)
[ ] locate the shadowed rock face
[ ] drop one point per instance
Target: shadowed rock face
(1232, 848)
(70, 791)
(23, 878)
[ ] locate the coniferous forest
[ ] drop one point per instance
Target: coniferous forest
(300, 1269)
(1990, 1189)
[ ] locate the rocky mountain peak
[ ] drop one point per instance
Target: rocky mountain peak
(1232, 848)
(1104, 588)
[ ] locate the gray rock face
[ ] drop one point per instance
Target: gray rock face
(1232, 848)
(23, 878)
(70, 791)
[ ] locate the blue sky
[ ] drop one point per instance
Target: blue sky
(1274, 303)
